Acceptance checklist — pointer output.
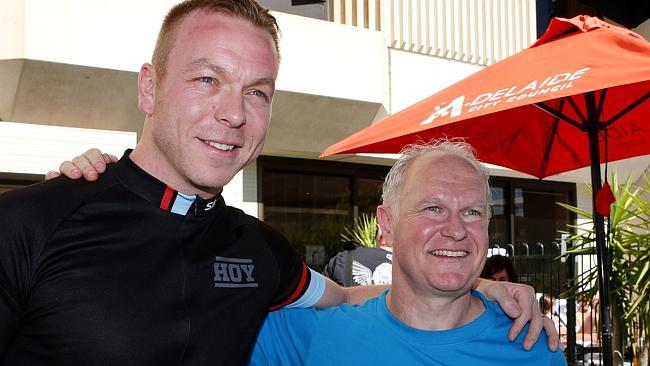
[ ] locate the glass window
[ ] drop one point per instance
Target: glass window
(537, 215)
(526, 211)
(368, 195)
(499, 232)
(312, 202)
(311, 210)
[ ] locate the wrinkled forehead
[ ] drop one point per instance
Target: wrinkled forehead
(224, 31)
(440, 167)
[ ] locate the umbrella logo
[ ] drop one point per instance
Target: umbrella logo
(515, 93)
(453, 110)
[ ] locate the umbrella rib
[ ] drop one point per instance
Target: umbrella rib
(556, 121)
(575, 108)
(560, 115)
(627, 109)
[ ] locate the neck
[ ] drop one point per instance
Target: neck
(154, 163)
(432, 312)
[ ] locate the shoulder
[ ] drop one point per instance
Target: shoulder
(351, 316)
(30, 216)
(244, 222)
(498, 334)
(500, 322)
(258, 233)
(42, 206)
(322, 321)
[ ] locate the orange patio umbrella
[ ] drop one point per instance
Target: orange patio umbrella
(577, 97)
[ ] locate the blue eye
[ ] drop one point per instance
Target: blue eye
(258, 93)
(206, 80)
(433, 208)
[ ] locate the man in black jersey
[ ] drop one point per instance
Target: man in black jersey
(148, 265)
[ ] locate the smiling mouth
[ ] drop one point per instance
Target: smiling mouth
(218, 146)
(449, 253)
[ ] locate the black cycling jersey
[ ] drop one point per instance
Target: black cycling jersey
(127, 271)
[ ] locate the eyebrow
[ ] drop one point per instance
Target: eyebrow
(436, 200)
(204, 63)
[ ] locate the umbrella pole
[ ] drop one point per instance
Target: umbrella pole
(601, 251)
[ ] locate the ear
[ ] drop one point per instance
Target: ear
(385, 222)
(146, 89)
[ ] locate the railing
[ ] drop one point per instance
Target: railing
(474, 31)
(540, 266)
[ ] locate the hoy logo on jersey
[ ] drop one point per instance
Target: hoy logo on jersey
(233, 272)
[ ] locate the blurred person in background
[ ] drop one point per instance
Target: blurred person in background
(357, 265)
(499, 268)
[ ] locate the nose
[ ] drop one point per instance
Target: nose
(229, 109)
(454, 228)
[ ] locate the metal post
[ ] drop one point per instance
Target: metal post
(571, 307)
(601, 251)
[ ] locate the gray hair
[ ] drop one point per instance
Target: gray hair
(454, 147)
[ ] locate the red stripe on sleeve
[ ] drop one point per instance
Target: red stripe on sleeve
(298, 291)
(167, 198)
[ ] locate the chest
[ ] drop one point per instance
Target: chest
(166, 291)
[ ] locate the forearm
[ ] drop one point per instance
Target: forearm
(480, 284)
(359, 294)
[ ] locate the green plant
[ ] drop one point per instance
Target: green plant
(628, 248)
(364, 231)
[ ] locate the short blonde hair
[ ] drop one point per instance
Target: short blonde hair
(245, 9)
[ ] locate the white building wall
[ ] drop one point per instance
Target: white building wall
(36, 149)
(414, 77)
(328, 59)
(318, 57)
(12, 25)
(117, 34)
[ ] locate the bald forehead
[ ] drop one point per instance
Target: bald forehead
(443, 165)
(434, 159)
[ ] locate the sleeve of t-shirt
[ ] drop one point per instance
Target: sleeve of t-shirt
(10, 310)
(28, 216)
(285, 337)
(299, 286)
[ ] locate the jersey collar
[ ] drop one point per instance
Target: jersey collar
(161, 195)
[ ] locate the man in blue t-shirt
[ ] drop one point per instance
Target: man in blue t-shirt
(435, 214)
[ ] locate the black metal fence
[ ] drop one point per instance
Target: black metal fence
(541, 266)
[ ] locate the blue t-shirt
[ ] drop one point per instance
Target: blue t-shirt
(369, 334)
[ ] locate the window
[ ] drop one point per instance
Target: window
(526, 211)
(311, 202)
